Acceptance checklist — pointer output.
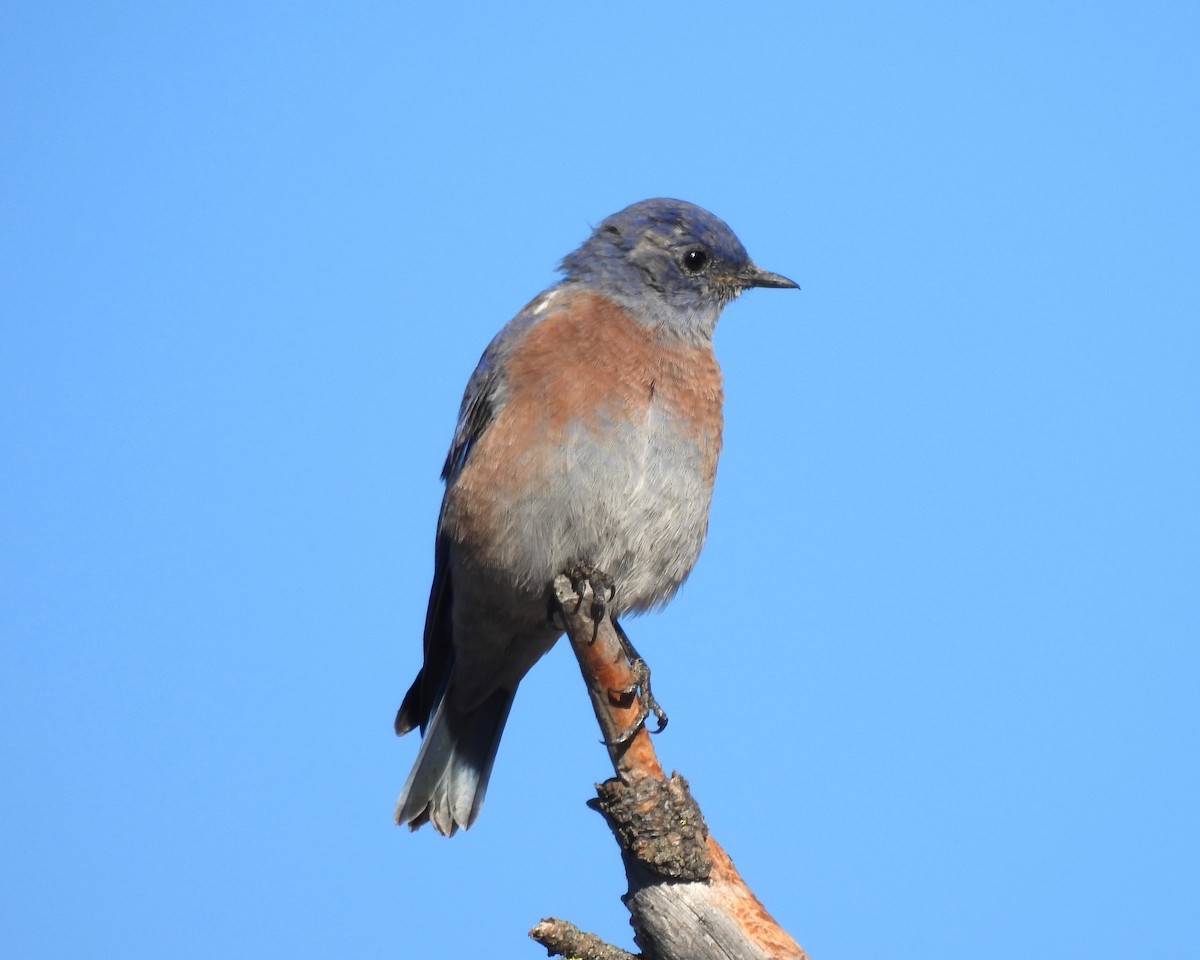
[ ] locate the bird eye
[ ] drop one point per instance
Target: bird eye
(695, 260)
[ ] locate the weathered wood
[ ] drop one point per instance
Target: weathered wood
(563, 939)
(686, 900)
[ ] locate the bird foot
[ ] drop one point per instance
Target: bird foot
(604, 591)
(640, 688)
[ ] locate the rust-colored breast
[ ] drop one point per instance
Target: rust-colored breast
(592, 364)
(587, 365)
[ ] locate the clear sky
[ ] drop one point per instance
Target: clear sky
(936, 678)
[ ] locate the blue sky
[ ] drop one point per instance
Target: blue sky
(934, 680)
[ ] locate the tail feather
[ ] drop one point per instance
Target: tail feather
(450, 775)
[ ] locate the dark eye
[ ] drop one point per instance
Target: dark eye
(694, 261)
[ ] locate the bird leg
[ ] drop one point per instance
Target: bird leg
(603, 592)
(639, 688)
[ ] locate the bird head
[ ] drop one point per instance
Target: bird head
(671, 263)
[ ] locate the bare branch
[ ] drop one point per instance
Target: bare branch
(686, 899)
(563, 939)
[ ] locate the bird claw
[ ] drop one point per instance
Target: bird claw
(640, 688)
(604, 591)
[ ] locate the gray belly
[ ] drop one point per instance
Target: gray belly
(632, 501)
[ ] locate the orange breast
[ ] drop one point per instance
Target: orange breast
(586, 366)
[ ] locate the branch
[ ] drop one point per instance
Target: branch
(685, 898)
(564, 939)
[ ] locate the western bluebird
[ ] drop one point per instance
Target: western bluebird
(588, 434)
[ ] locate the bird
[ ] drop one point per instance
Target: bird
(588, 435)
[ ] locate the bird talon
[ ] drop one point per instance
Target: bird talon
(631, 731)
(640, 688)
(651, 705)
(604, 591)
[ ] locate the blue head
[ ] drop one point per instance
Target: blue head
(672, 264)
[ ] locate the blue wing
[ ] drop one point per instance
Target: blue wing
(484, 395)
(481, 401)
(477, 412)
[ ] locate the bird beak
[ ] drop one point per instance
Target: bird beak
(753, 276)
